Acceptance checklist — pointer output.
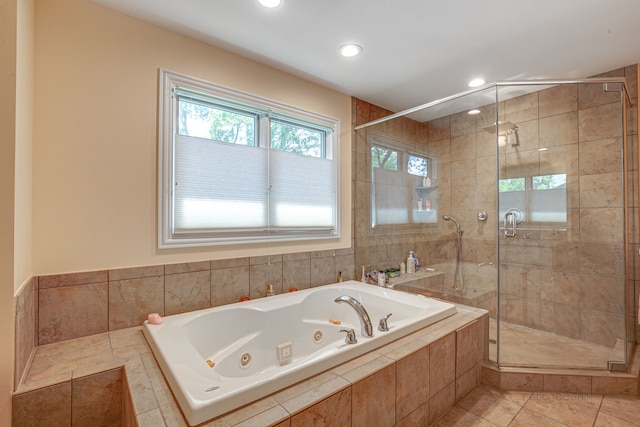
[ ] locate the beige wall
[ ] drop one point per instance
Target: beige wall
(78, 144)
(95, 126)
(8, 67)
(24, 143)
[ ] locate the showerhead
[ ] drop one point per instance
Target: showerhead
(504, 128)
(459, 229)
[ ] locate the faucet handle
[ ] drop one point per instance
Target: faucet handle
(382, 326)
(351, 336)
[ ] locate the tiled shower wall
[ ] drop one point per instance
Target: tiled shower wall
(66, 306)
(572, 282)
(568, 282)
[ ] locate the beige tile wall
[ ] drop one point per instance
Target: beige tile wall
(568, 282)
(60, 307)
(579, 382)
(25, 328)
(572, 282)
(91, 400)
(74, 305)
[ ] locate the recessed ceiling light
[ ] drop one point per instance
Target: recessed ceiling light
(472, 112)
(270, 3)
(476, 82)
(350, 50)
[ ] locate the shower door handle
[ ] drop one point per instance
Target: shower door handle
(510, 224)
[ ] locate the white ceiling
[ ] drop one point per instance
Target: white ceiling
(414, 51)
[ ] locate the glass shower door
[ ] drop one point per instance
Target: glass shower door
(561, 214)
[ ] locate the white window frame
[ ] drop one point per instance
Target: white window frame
(167, 131)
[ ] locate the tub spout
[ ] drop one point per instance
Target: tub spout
(365, 321)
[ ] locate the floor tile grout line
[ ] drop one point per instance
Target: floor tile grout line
(516, 415)
(545, 416)
(469, 412)
(495, 396)
(595, 420)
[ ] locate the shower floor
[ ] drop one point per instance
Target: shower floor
(526, 347)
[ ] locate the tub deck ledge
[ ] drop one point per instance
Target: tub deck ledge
(148, 401)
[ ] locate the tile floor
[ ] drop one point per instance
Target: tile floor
(527, 347)
(486, 406)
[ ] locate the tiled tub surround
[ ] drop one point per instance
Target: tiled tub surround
(412, 381)
(566, 282)
(202, 361)
(59, 307)
(90, 400)
(80, 304)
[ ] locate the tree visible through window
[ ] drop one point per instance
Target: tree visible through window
(418, 166)
(297, 138)
(384, 158)
(216, 123)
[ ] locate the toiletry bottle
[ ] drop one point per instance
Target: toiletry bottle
(339, 276)
(411, 263)
(382, 280)
(270, 291)
(403, 268)
(420, 204)
(417, 264)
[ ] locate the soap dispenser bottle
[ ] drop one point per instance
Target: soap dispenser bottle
(411, 262)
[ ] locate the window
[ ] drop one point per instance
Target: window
(216, 122)
(384, 158)
(236, 168)
(418, 166)
(511, 184)
(540, 198)
(398, 193)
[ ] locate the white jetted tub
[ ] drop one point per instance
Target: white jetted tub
(219, 359)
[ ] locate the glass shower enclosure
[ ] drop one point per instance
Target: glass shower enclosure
(523, 198)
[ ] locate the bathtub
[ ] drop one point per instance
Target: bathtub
(218, 359)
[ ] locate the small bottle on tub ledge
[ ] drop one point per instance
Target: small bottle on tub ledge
(411, 262)
(270, 291)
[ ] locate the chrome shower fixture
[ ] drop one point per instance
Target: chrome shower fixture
(505, 129)
(459, 228)
(459, 265)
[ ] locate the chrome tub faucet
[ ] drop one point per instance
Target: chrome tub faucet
(365, 321)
